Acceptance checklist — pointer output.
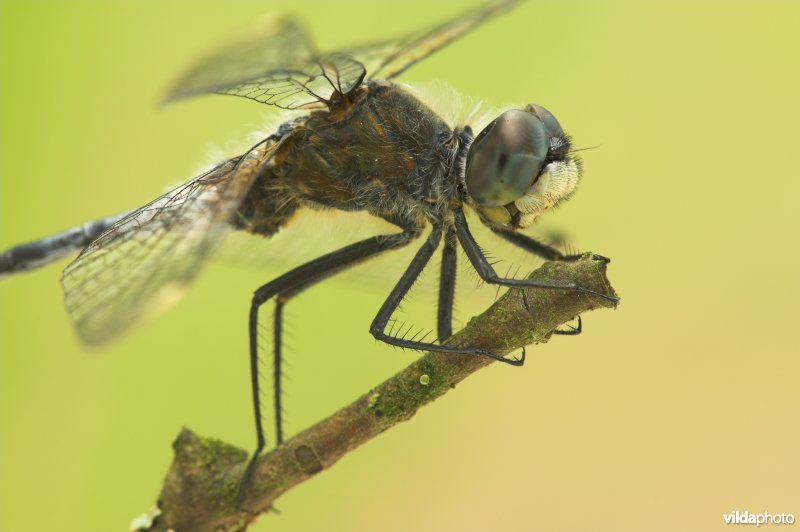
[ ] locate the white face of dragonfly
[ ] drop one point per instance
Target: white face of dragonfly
(518, 167)
(556, 183)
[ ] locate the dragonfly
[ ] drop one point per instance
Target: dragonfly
(362, 143)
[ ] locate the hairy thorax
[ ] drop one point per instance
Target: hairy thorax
(382, 151)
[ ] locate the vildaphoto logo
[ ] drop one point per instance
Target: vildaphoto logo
(765, 518)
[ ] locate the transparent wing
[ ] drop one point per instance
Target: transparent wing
(389, 59)
(143, 260)
(279, 67)
(279, 45)
(306, 88)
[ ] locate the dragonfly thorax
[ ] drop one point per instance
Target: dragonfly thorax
(386, 153)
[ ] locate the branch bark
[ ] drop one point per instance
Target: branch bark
(202, 483)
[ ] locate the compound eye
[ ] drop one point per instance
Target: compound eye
(506, 157)
(547, 118)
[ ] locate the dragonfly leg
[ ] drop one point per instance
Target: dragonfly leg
(418, 263)
(572, 331)
(532, 245)
(489, 275)
(539, 249)
(447, 286)
(283, 289)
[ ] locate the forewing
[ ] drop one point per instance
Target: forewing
(309, 87)
(279, 67)
(387, 60)
(279, 45)
(143, 261)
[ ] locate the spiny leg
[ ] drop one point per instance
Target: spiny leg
(447, 286)
(418, 263)
(572, 331)
(277, 373)
(284, 288)
(489, 275)
(532, 245)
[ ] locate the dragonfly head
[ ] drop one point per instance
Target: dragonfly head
(519, 166)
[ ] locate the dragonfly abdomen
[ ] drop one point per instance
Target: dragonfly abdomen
(37, 253)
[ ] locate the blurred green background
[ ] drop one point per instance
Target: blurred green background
(664, 415)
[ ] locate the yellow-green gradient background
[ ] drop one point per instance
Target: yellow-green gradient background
(678, 407)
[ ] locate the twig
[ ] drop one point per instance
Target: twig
(202, 483)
